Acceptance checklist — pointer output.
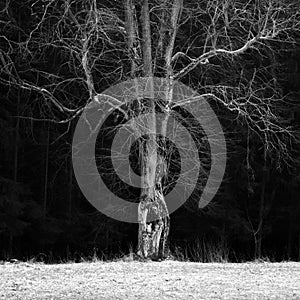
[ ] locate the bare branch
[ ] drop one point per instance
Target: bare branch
(254, 24)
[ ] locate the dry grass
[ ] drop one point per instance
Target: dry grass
(150, 280)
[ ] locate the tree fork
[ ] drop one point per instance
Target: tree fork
(152, 212)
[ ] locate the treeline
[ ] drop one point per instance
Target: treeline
(43, 213)
(256, 212)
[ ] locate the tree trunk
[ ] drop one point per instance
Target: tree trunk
(257, 246)
(46, 173)
(259, 231)
(15, 174)
(70, 189)
(153, 214)
(133, 43)
(70, 180)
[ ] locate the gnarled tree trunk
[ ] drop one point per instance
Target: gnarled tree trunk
(153, 213)
(153, 216)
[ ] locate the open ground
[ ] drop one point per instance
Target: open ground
(150, 280)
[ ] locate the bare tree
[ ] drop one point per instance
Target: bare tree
(200, 42)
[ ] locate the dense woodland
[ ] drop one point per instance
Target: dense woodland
(43, 213)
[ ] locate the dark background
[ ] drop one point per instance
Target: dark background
(44, 215)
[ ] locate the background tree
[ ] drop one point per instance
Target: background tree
(62, 54)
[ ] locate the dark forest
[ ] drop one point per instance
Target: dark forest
(56, 56)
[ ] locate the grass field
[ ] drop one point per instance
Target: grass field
(150, 280)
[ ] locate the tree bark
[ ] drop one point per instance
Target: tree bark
(148, 235)
(46, 173)
(70, 189)
(133, 43)
(152, 212)
(146, 40)
(259, 231)
(153, 216)
(15, 174)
